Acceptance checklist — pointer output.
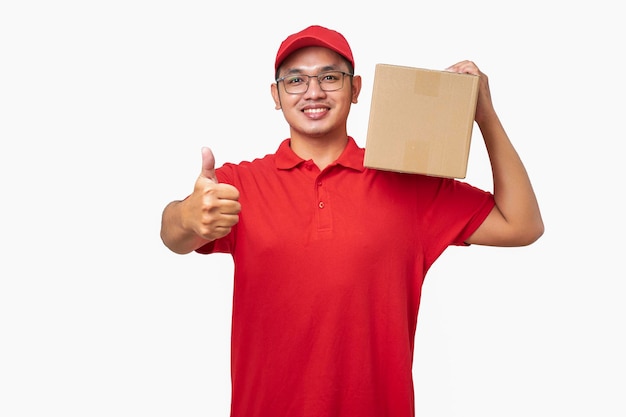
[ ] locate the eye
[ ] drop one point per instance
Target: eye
(294, 80)
(330, 77)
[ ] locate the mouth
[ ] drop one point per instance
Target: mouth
(315, 112)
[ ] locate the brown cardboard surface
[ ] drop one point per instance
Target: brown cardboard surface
(421, 121)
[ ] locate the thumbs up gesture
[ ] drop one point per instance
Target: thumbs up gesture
(213, 208)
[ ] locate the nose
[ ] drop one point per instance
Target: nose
(314, 89)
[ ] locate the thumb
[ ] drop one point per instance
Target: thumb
(208, 164)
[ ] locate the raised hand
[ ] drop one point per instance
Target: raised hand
(213, 208)
(484, 107)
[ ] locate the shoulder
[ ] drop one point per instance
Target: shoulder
(405, 179)
(230, 172)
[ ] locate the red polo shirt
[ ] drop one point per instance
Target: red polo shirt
(328, 273)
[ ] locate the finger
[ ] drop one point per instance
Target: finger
(227, 192)
(208, 164)
(464, 67)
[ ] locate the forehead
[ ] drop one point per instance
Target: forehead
(313, 58)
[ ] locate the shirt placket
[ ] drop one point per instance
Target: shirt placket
(324, 213)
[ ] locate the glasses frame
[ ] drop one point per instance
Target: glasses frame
(319, 82)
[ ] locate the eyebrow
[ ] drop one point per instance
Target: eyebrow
(323, 69)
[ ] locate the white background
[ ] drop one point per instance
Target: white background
(104, 107)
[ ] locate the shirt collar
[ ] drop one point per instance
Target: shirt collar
(351, 157)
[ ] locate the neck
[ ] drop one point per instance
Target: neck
(322, 151)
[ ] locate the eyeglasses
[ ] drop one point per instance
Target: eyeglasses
(299, 83)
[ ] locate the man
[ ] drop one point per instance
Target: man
(330, 256)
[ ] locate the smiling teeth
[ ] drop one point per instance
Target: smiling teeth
(314, 110)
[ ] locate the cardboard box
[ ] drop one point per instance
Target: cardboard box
(421, 121)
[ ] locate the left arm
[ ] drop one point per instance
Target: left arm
(516, 219)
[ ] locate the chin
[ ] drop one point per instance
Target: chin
(315, 131)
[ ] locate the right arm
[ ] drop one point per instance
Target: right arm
(207, 214)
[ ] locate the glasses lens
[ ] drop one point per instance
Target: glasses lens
(331, 80)
(296, 84)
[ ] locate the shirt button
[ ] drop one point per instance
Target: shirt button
(321, 205)
(319, 183)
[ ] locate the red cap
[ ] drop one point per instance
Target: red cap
(314, 36)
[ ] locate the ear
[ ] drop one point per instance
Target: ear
(356, 88)
(275, 96)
